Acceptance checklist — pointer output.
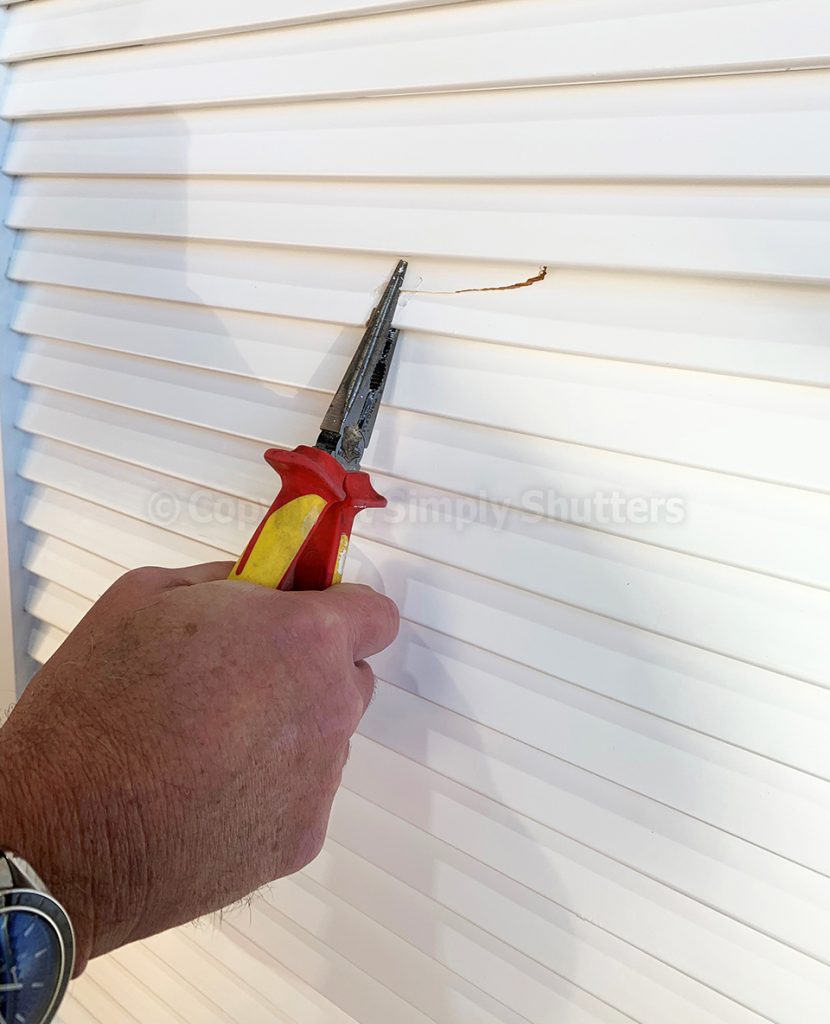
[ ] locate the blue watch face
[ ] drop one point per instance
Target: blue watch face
(31, 965)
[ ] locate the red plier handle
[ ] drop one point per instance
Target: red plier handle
(303, 541)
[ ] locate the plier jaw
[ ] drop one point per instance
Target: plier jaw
(348, 425)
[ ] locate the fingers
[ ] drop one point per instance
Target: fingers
(371, 619)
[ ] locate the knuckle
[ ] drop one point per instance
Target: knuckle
(141, 578)
(384, 616)
(309, 846)
(366, 674)
(391, 611)
(366, 686)
(134, 583)
(333, 719)
(338, 763)
(303, 621)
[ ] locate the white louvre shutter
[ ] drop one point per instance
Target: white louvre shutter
(594, 786)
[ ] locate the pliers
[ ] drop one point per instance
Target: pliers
(303, 541)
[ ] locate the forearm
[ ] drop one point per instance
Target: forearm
(50, 821)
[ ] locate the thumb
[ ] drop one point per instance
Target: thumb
(372, 619)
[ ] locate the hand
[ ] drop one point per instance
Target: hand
(184, 746)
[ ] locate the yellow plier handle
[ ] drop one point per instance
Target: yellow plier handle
(303, 541)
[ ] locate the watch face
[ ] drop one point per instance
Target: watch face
(31, 965)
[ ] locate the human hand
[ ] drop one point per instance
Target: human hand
(184, 745)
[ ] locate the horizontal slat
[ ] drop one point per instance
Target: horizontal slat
(167, 270)
(749, 871)
(751, 128)
(130, 543)
(56, 606)
(51, 27)
(740, 426)
(763, 233)
(80, 571)
(507, 43)
(44, 642)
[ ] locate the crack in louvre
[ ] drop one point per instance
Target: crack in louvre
(536, 279)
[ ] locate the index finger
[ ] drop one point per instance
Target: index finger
(372, 619)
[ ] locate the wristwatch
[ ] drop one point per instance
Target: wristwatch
(37, 946)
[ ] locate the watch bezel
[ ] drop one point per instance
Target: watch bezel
(41, 904)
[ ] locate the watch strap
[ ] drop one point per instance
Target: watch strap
(16, 873)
